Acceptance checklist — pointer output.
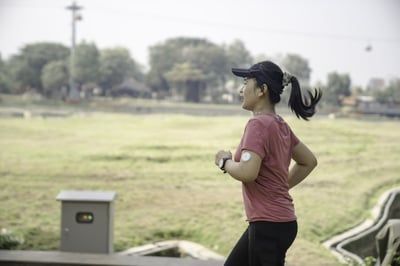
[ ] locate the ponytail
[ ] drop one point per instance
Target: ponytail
(301, 109)
(271, 74)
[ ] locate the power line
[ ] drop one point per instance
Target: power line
(247, 28)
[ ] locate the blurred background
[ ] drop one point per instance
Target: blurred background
(150, 49)
(137, 96)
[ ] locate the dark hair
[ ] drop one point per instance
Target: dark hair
(273, 77)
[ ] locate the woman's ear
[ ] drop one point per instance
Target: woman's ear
(263, 90)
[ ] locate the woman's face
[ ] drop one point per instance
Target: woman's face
(248, 93)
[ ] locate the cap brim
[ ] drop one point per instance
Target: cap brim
(241, 72)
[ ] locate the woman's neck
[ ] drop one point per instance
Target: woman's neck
(263, 110)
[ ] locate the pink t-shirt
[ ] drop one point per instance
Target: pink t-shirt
(267, 197)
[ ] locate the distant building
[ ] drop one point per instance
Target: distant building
(131, 88)
(369, 105)
(376, 84)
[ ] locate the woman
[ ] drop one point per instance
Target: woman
(261, 163)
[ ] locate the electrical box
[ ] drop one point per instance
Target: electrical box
(87, 221)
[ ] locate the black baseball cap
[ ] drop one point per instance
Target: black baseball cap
(264, 72)
(252, 72)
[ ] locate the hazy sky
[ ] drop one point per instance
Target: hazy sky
(332, 35)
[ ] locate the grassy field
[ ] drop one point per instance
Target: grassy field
(162, 168)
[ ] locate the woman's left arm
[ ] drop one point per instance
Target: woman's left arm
(246, 170)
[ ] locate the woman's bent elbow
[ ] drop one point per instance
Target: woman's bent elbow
(249, 178)
(314, 163)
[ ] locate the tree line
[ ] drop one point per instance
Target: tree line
(189, 68)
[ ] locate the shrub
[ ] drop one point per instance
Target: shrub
(8, 240)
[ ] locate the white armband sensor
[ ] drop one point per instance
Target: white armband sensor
(246, 156)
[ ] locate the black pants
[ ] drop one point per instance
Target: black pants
(263, 244)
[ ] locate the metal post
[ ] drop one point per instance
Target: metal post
(73, 90)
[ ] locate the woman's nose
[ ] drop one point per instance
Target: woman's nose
(241, 90)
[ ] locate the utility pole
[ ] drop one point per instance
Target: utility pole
(73, 90)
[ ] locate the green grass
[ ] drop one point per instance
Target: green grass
(162, 168)
(108, 104)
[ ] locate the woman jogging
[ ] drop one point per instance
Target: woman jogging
(261, 163)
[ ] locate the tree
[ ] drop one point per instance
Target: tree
(86, 63)
(116, 65)
(238, 55)
(4, 79)
(27, 66)
(201, 54)
(337, 87)
(391, 93)
(54, 77)
(297, 66)
(210, 59)
(157, 82)
(21, 74)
